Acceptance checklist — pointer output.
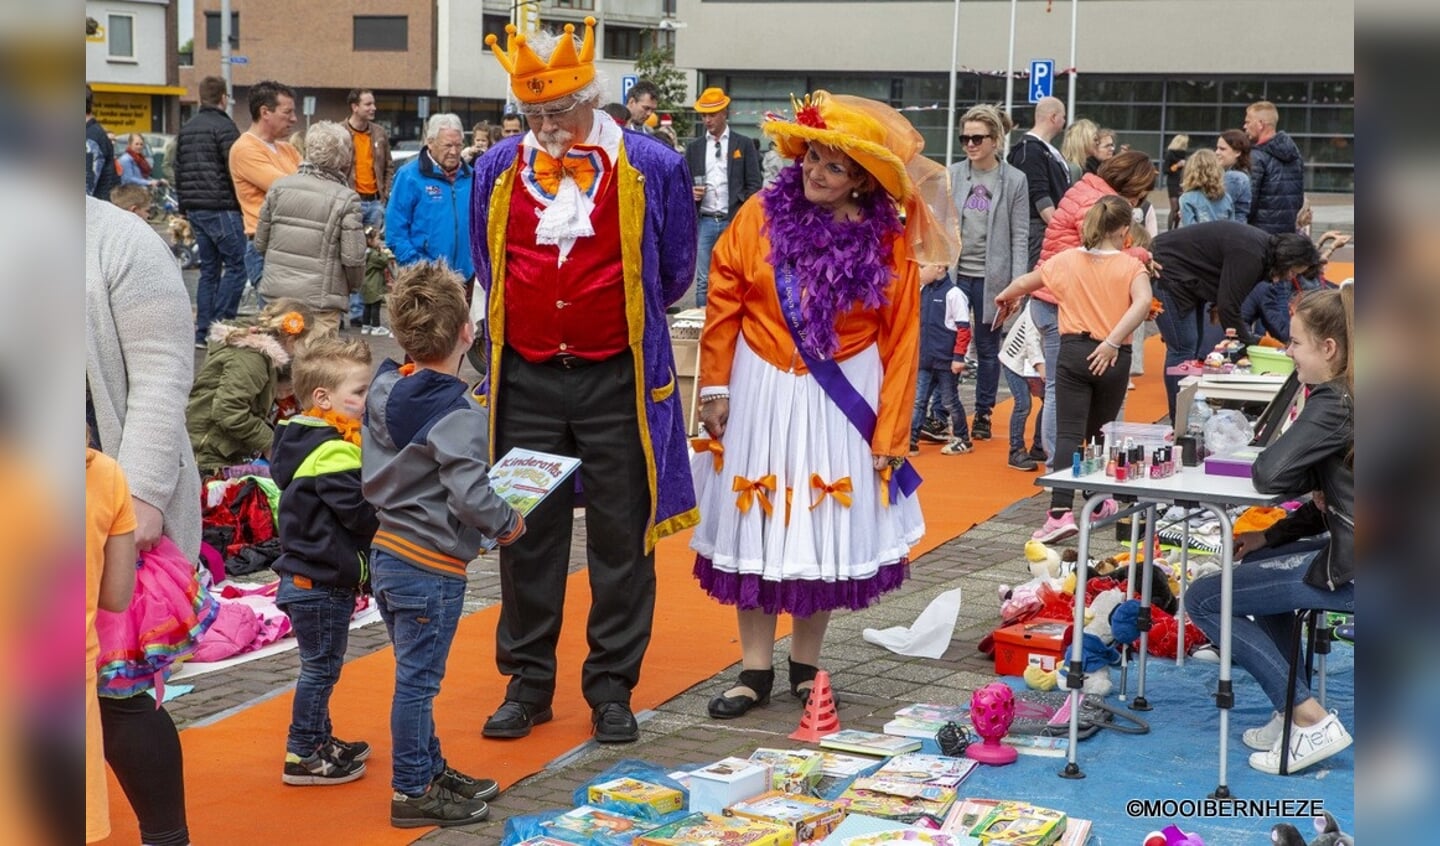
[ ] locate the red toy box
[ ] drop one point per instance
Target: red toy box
(1036, 641)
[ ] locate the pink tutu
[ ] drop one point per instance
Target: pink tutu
(140, 645)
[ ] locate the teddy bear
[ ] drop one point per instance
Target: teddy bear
(1327, 831)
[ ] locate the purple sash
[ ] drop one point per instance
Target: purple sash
(838, 388)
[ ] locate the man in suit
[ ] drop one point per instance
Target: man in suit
(725, 171)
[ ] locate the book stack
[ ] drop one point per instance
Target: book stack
(712, 828)
(725, 782)
(869, 743)
(924, 720)
(934, 770)
(903, 801)
(808, 818)
(837, 770)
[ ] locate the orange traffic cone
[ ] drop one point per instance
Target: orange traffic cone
(820, 717)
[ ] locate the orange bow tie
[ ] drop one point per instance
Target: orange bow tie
(748, 491)
(840, 490)
(712, 446)
(579, 165)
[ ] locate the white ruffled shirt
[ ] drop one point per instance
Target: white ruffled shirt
(566, 216)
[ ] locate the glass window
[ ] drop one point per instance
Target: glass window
(212, 30)
(770, 88)
(1281, 93)
(494, 25)
(1338, 92)
(1333, 121)
(1332, 179)
(120, 33)
(992, 90)
(585, 5)
(623, 42)
(1332, 150)
(1100, 89)
(874, 87)
(382, 32)
(1245, 91)
(1122, 117)
(924, 90)
(1192, 118)
(1192, 91)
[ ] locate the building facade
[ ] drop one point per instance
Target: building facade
(1150, 69)
(130, 64)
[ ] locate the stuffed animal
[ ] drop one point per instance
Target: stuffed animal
(1171, 835)
(1044, 562)
(1100, 609)
(1327, 832)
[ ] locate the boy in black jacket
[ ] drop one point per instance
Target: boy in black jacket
(325, 531)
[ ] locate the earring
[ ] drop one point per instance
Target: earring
(854, 195)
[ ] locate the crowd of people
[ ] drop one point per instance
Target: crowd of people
(845, 295)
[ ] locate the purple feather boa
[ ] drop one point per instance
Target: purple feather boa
(838, 264)
(798, 597)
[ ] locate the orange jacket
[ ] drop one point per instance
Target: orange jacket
(742, 300)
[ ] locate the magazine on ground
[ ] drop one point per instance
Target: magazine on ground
(524, 477)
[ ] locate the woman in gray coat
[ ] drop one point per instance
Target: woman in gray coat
(311, 231)
(990, 198)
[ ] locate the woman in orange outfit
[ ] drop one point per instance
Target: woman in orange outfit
(808, 363)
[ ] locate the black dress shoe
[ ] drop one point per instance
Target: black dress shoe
(800, 674)
(515, 719)
(729, 707)
(615, 723)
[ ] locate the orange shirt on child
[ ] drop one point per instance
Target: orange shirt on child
(1093, 288)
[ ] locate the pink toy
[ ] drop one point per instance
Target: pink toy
(992, 710)
(1171, 836)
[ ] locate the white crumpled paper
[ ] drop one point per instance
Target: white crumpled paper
(929, 637)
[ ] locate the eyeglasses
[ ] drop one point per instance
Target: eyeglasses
(717, 148)
(540, 113)
(973, 140)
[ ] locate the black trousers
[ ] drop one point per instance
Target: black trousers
(588, 412)
(371, 315)
(1083, 401)
(142, 747)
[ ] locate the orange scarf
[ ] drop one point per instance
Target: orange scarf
(348, 427)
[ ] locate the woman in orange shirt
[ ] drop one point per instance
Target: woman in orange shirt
(808, 364)
(1104, 294)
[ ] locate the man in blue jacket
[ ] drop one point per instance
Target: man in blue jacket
(1277, 172)
(428, 216)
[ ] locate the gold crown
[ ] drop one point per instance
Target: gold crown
(534, 81)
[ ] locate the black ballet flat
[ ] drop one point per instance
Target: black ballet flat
(800, 674)
(729, 707)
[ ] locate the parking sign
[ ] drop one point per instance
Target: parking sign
(1042, 79)
(626, 83)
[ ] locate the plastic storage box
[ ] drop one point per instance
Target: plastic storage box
(1039, 642)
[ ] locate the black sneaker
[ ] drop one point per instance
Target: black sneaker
(437, 806)
(1038, 453)
(466, 787)
(914, 447)
(515, 719)
(935, 431)
(615, 723)
(344, 749)
(1021, 460)
(320, 768)
(980, 428)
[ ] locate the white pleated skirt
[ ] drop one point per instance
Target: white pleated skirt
(817, 553)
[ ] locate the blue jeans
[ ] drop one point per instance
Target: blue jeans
(320, 616)
(1181, 331)
(220, 236)
(372, 213)
(987, 346)
(1047, 319)
(710, 231)
(1020, 390)
(1269, 586)
(421, 611)
(949, 395)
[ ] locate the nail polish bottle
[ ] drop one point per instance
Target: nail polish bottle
(1122, 467)
(1110, 461)
(1077, 464)
(1155, 464)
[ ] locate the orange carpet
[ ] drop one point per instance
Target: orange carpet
(232, 768)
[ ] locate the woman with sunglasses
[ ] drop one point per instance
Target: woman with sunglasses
(990, 198)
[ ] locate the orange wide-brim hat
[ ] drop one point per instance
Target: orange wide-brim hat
(712, 100)
(880, 140)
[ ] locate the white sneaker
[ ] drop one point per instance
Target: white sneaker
(1210, 655)
(1264, 738)
(1308, 746)
(381, 331)
(364, 330)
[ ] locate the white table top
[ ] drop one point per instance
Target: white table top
(1188, 484)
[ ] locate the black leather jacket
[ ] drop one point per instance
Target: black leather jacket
(1314, 455)
(202, 162)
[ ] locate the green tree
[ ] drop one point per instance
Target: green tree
(658, 66)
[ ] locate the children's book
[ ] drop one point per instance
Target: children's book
(715, 830)
(1020, 824)
(588, 821)
(936, 770)
(524, 477)
(898, 800)
(1034, 744)
(811, 819)
(837, 770)
(857, 825)
(869, 743)
(935, 712)
(965, 814)
(914, 727)
(791, 770)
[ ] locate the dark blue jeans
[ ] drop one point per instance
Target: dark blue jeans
(1181, 331)
(220, 236)
(1269, 585)
(421, 611)
(949, 395)
(321, 618)
(1020, 390)
(987, 346)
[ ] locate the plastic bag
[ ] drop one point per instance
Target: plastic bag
(1226, 431)
(930, 635)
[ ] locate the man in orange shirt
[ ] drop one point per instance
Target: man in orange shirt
(260, 157)
(372, 170)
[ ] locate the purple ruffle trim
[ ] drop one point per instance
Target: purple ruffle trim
(797, 597)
